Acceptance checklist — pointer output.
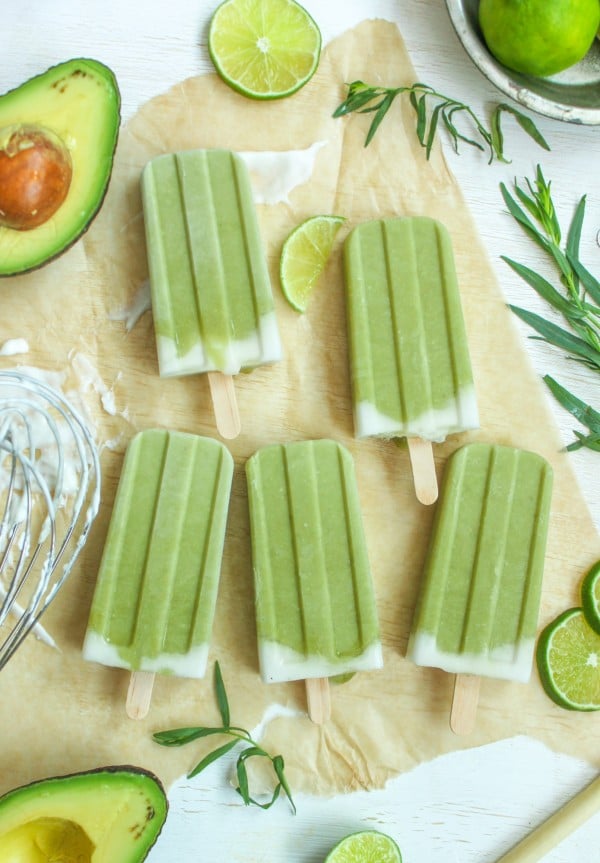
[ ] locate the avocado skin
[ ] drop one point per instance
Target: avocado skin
(90, 132)
(133, 800)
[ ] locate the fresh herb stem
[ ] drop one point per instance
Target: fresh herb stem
(578, 302)
(237, 735)
(365, 99)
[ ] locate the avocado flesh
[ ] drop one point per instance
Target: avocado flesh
(79, 101)
(111, 815)
(46, 839)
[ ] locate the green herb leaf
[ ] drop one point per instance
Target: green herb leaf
(382, 108)
(521, 217)
(591, 441)
(421, 119)
(496, 133)
(586, 415)
(182, 736)
(221, 695)
(266, 805)
(525, 122)
(457, 135)
(212, 757)
(589, 283)
(279, 768)
(533, 209)
(433, 122)
(253, 752)
(362, 98)
(560, 338)
(574, 235)
(243, 784)
(359, 95)
(543, 287)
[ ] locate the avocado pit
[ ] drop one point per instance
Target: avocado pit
(45, 840)
(55, 171)
(35, 176)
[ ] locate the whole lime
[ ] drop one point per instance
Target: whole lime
(539, 37)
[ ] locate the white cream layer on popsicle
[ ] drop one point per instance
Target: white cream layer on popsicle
(280, 663)
(191, 664)
(262, 346)
(434, 425)
(509, 662)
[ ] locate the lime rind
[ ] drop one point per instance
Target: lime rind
(536, 37)
(339, 679)
(590, 597)
(568, 661)
(264, 50)
(365, 846)
(304, 255)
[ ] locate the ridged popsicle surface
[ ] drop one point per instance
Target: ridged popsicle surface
(478, 607)
(410, 364)
(315, 604)
(156, 591)
(211, 294)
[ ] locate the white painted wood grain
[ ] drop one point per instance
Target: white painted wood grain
(466, 807)
(471, 806)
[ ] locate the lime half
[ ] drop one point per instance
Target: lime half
(265, 49)
(590, 597)
(568, 660)
(304, 255)
(369, 846)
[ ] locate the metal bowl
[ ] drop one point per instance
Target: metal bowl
(572, 95)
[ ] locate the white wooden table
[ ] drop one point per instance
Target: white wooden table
(470, 806)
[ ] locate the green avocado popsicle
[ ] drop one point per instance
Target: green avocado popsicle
(478, 607)
(409, 358)
(156, 591)
(411, 370)
(211, 293)
(315, 605)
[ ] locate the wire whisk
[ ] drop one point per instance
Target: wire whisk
(50, 484)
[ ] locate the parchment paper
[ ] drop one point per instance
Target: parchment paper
(59, 714)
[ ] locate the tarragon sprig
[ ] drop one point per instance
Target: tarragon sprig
(578, 302)
(365, 99)
(583, 412)
(181, 736)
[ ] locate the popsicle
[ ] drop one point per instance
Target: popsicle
(155, 595)
(315, 605)
(479, 600)
(410, 366)
(211, 295)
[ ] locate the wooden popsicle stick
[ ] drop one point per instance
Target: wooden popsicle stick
(318, 699)
(557, 827)
(139, 694)
(423, 470)
(222, 393)
(464, 703)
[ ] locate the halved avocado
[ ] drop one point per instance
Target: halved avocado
(109, 815)
(76, 103)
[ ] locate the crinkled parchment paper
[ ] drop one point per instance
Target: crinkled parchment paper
(60, 714)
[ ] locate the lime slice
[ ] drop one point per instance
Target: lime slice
(568, 660)
(369, 846)
(304, 255)
(265, 49)
(590, 597)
